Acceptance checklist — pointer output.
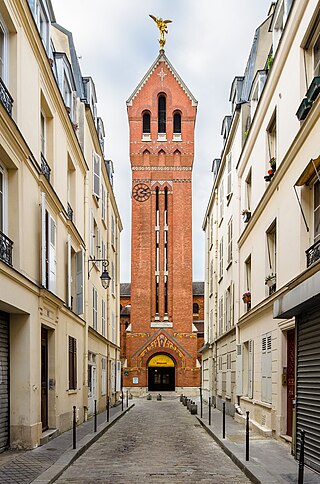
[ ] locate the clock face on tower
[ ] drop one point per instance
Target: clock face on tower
(141, 192)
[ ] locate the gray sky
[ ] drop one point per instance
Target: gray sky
(208, 44)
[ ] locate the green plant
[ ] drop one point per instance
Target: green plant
(269, 61)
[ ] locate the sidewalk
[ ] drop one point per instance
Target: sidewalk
(46, 463)
(269, 462)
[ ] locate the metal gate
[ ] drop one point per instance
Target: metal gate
(308, 386)
(4, 382)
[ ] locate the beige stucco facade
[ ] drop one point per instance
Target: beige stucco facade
(282, 225)
(54, 224)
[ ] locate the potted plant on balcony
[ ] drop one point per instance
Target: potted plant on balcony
(246, 297)
(270, 280)
(246, 214)
(273, 163)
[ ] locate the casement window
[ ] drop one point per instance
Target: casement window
(101, 133)
(72, 363)
(221, 201)
(113, 238)
(211, 227)
(94, 308)
(92, 233)
(4, 51)
(247, 365)
(248, 190)
(103, 375)
(146, 123)
(112, 279)
(162, 114)
(75, 281)
(113, 327)
(316, 211)
(229, 176)
(113, 376)
(118, 376)
(229, 375)
(41, 15)
(239, 369)
(271, 239)
(96, 174)
(66, 83)
(103, 203)
(220, 315)
(229, 307)
(3, 199)
(211, 279)
(221, 258)
(177, 123)
(48, 249)
(103, 317)
(210, 329)
(80, 282)
(219, 376)
(229, 258)
(272, 142)
(43, 135)
(266, 368)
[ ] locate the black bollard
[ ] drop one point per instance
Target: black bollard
(122, 400)
(301, 457)
(127, 398)
(247, 436)
(200, 402)
(108, 408)
(95, 415)
(74, 434)
(181, 398)
(209, 410)
(224, 420)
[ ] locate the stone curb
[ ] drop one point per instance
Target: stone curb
(55, 471)
(230, 450)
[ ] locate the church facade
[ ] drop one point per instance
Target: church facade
(161, 339)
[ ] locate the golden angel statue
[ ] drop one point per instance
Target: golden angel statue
(162, 26)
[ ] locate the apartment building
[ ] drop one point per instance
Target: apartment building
(59, 326)
(277, 295)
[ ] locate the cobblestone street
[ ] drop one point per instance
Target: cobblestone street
(157, 441)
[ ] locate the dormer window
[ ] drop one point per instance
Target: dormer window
(91, 97)
(101, 133)
(66, 83)
(146, 126)
(177, 126)
(162, 117)
(41, 15)
(256, 90)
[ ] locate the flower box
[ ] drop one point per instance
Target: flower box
(270, 280)
(246, 215)
(314, 89)
(304, 109)
(246, 297)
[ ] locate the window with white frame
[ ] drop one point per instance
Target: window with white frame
(103, 203)
(43, 134)
(248, 189)
(316, 211)
(247, 275)
(103, 318)
(211, 231)
(266, 368)
(94, 308)
(3, 199)
(221, 258)
(103, 375)
(96, 174)
(113, 327)
(229, 175)
(113, 238)
(220, 315)
(229, 258)
(229, 307)
(248, 368)
(221, 200)
(210, 329)
(272, 142)
(49, 249)
(271, 239)
(112, 279)
(211, 279)
(4, 51)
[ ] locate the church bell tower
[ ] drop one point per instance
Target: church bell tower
(161, 341)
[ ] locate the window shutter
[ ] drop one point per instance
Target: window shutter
(52, 253)
(43, 240)
(96, 175)
(239, 369)
(229, 176)
(269, 369)
(69, 271)
(250, 369)
(118, 377)
(91, 233)
(266, 369)
(79, 281)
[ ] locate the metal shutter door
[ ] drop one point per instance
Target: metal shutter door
(4, 383)
(308, 386)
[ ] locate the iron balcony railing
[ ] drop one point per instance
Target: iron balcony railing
(70, 212)
(313, 253)
(6, 246)
(5, 98)
(45, 168)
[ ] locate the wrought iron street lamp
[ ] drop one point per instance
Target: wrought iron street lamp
(105, 277)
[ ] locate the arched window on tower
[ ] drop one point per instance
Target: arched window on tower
(146, 126)
(161, 117)
(177, 126)
(195, 309)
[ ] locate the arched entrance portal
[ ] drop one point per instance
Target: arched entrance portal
(161, 373)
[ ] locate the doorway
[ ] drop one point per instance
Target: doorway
(161, 373)
(44, 378)
(4, 381)
(290, 378)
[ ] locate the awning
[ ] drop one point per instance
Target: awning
(312, 169)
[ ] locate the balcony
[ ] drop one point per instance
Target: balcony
(313, 253)
(70, 212)
(6, 246)
(45, 168)
(5, 98)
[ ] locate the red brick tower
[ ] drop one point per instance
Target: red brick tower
(161, 341)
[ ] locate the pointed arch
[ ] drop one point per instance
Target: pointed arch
(162, 113)
(146, 122)
(177, 122)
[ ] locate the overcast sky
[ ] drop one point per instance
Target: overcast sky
(208, 44)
